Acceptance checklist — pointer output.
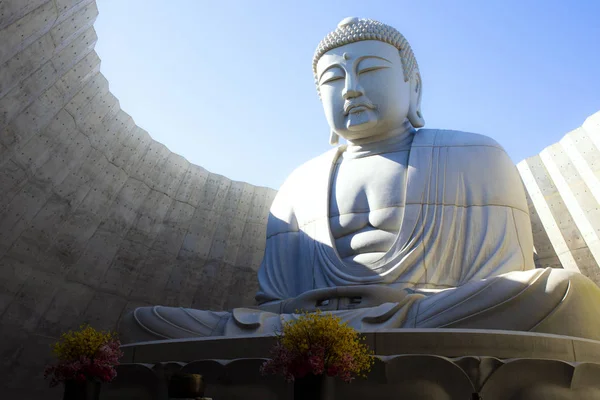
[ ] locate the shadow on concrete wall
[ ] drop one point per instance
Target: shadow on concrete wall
(96, 218)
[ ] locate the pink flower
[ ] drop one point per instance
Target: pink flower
(300, 368)
(313, 349)
(317, 364)
(332, 370)
(100, 367)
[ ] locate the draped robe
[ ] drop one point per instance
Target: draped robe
(463, 257)
(465, 218)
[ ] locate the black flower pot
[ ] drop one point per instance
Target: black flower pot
(185, 386)
(313, 387)
(87, 390)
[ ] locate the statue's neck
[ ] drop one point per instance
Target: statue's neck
(397, 140)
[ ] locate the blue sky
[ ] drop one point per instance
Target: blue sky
(229, 86)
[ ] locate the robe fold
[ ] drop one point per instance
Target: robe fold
(465, 218)
(463, 257)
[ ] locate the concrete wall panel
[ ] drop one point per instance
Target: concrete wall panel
(14, 10)
(563, 183)
(27, 30)
(97, 218)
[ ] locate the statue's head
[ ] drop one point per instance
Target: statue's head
(368, 80)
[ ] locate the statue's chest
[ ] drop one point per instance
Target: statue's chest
(368, 184)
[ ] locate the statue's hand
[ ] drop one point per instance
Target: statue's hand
(312, 300)
(344, 297)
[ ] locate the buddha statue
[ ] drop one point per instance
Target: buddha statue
(400, 227)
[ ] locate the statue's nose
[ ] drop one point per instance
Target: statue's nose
(352, 89)
(351, 93)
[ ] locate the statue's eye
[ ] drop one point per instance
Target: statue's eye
(370, 64)
(332, 79)
(331, 75)
(371, 69)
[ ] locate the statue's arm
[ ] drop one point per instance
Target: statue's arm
(282, 218)
(515, 193)
(493, 177)
(276, 273)
(506, 179)
(488, 176)
(507, 189)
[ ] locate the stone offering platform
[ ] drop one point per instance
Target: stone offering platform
(415, 364)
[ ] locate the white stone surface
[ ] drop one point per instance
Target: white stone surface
(53, 162)
(399, 228)
(419, 363)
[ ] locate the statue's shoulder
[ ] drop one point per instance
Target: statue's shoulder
(309, 172)
(452, 138)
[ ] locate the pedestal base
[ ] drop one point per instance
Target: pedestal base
(417, 364)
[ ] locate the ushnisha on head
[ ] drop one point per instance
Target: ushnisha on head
(368, 80)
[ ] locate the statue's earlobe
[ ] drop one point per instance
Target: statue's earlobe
(334, 139)
(414, 112)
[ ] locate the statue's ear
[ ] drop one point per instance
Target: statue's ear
(334, 139)
(414, 111)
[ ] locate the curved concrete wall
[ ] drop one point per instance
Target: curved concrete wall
(563, 185)
(96, 217)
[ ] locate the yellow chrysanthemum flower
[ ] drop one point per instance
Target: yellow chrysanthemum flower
(327, 331)
(85, 342)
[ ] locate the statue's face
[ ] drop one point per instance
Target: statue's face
(363, 90)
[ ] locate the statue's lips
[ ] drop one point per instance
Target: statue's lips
(356, 108)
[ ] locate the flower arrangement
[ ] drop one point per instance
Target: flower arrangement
(319, 343)
(83, 355)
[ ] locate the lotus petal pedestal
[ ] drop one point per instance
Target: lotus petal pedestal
(415, 364)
